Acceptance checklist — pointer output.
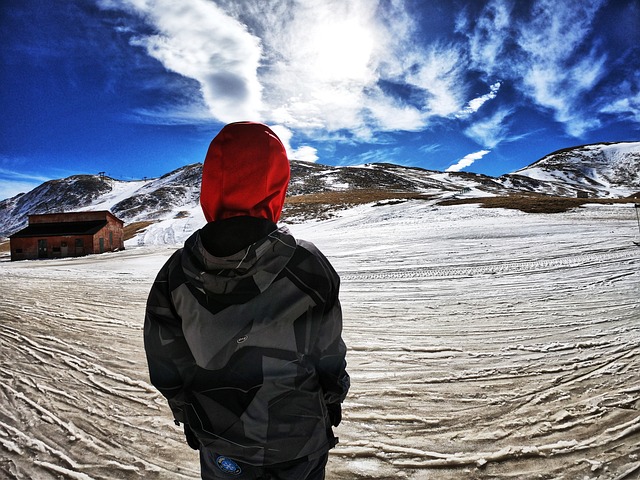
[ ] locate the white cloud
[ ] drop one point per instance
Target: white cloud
(467, 161)
(325, 62)
(474, 105)
(305, 153)
(439, 73)
(11, 188)
(431, 148)
(378, 155)
(198, 40)
(312, 66)
(552, 76)
(12, 183)
(19, 176)
(542, 53)
(488, 36)
(331, 67)
(628, 107)
(490, 131)
(171, 115)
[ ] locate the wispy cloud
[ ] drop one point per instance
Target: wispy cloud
(557, 73)
(196, 39)
(304, 64)
(357, 70)
(378, 155)
(492, 130)
(548, 53)
(305, 153)
(9, 174)
(12, 182)
(488, 35)
(330, 58)
(11, 188)
(430, 148)
(626, 107)
(474, 104)
(467, 160)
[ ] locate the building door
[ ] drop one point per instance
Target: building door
(101, 245)
(79, 247)
(42, 248)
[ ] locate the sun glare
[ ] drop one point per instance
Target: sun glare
(341, 51)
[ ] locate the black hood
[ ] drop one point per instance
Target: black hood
(236, 277)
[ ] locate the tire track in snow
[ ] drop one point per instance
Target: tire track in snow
(504, 267)
(504, 357)
(459, 369)
(74, 397)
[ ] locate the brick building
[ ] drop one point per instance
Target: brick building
(57, 235)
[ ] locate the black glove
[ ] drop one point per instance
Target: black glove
(335, 413)
(192, 440)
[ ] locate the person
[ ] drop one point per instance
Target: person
(243, 324)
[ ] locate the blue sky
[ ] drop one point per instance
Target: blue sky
(136, 88)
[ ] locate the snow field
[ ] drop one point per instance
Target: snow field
(482, 344)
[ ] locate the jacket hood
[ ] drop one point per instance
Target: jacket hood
(245, 172)
(239, 277)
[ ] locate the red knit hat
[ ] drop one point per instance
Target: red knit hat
(246, 172)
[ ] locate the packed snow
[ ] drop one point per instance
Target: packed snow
(483, 343)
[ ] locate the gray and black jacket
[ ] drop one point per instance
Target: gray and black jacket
(246, 346)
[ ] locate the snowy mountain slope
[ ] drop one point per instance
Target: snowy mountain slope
(604, 170)
(163, 196)
(313, 178)
(601, 170)
(55, 195)
(176, 194)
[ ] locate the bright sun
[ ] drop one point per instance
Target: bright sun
(342, 50)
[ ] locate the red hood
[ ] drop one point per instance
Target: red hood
(246, 172)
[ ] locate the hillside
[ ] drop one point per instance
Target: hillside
(320, 188)
(602, 170)
(319, 191)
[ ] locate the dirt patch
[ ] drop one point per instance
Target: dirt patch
(5, 247)
(132, 229)
(323, 205)
(353, 197)
(535, 203)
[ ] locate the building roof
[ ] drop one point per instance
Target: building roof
(84, 216)
(60, 229)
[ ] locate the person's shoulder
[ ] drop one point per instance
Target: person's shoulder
(310, 259)
(309, 249)
(172, 263)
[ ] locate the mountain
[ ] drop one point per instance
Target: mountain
(317, 191)
(601, 170)
(53, 196)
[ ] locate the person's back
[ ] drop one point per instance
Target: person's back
(243, 325)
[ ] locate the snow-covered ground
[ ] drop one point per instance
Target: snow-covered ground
(483, 344)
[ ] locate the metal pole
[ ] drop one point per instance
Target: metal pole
(637, 205)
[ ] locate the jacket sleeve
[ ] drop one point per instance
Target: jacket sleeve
(168, 355)
(330, 348)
